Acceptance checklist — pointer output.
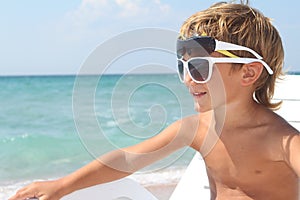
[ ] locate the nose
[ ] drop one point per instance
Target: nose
(187, 78)
(188, 81)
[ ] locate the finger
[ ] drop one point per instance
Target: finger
(23, 193)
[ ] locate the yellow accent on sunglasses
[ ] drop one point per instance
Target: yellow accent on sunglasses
(227, 53)
(224, 52)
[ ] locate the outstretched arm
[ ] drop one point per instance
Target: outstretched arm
(114, 165)
(91, 174)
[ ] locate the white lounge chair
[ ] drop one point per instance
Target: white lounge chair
(288, 91)
(194, 182)
(123, 189)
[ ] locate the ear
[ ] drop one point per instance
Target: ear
(250, 73)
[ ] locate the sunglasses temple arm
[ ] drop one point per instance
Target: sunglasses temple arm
(228, 46)
(268, 68)
(242, 60)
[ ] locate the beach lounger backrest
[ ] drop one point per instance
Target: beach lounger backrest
(123, 189)
(288, 91)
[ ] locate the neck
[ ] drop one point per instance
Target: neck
(235, 114)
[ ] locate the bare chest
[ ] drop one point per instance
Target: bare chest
(248, 167)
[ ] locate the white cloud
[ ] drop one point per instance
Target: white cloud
(129, 8)
(136, 8)
(163, 7)
(92, 20)
(90, 11)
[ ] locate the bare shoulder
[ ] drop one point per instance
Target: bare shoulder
(291, 148)
(188, 125)
(289, 138)
(180, 132)
(186, 128)
(189, 121)
(283, 128)
(175, 136)
(196, 128)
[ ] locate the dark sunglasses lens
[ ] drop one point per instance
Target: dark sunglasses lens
(199, 69)
(180, 52)
(196, 46)
(180, 69)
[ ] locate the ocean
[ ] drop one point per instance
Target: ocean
(53, 125)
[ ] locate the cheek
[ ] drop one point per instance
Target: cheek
(217, 87)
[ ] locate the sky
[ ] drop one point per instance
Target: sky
(55, 37)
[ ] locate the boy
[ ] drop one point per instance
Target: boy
(229, 57)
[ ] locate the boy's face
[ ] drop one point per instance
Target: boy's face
(218, 91)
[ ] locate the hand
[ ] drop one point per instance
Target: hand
(48, 190)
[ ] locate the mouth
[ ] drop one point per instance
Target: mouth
(198, 94)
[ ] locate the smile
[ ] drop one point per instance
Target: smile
(198, 94)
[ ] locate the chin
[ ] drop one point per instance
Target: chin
(201, 109)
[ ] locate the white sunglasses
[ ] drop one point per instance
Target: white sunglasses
(200, 68)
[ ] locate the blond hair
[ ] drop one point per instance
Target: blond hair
(246, 26)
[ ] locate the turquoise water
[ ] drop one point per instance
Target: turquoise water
(46, 134)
